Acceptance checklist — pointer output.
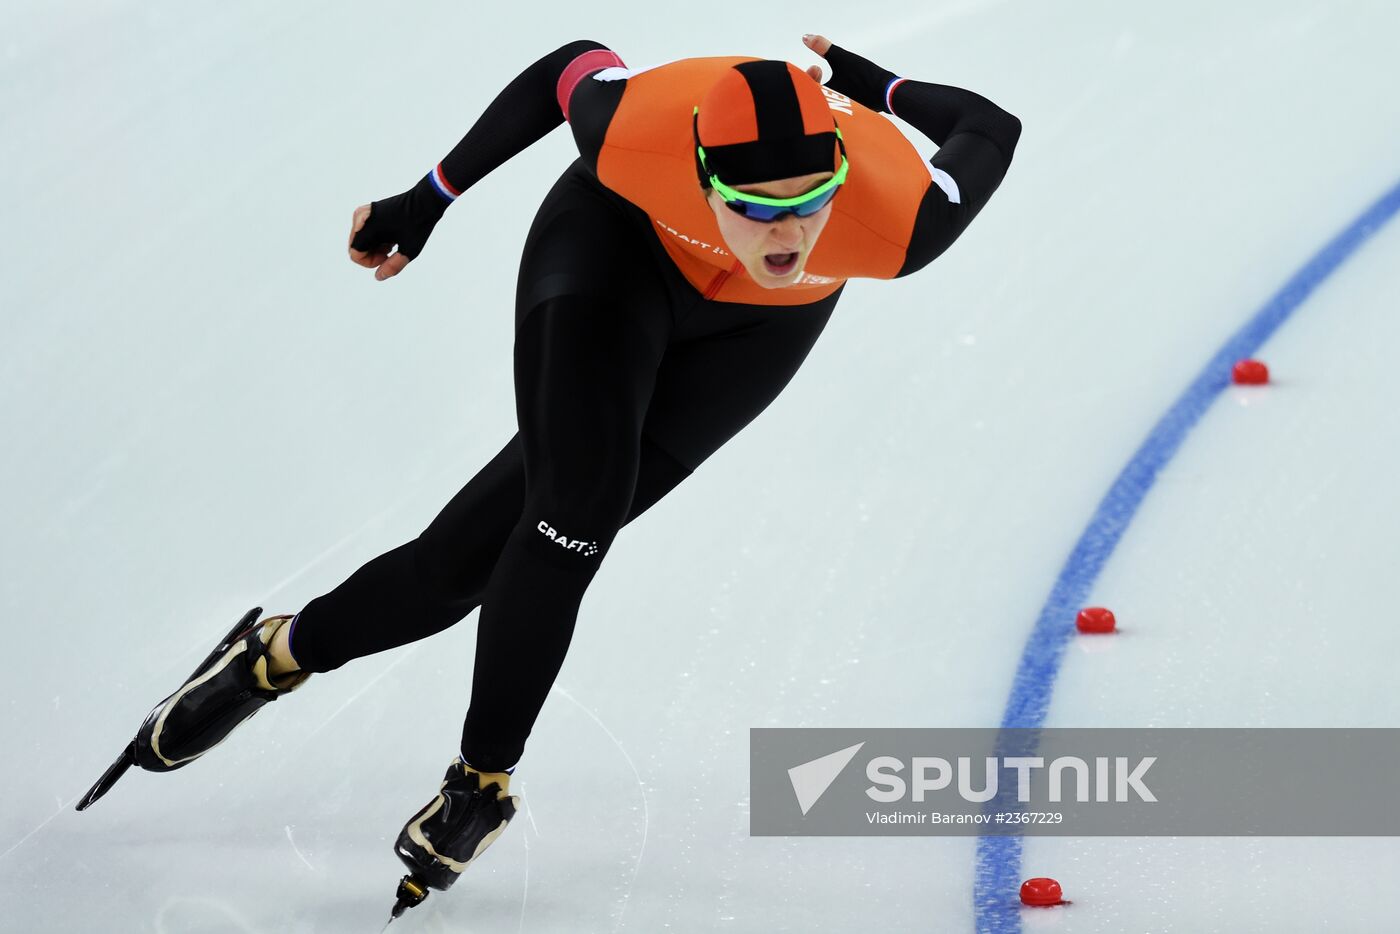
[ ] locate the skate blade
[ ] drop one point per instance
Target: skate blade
(109, 778)
(412, 891)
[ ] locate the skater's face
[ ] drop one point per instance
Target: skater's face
(766, 249)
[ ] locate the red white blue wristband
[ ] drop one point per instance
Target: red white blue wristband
(889, 92)
(442, 186)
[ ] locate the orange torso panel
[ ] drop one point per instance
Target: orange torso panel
(648, 157)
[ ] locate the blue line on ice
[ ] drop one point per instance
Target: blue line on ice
(996, 905)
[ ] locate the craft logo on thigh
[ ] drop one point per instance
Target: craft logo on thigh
(569, 544)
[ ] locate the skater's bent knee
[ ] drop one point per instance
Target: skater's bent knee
(448, 576)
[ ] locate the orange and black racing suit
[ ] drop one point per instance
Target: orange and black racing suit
(641, 344)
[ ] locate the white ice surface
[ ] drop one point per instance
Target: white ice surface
(204, 405)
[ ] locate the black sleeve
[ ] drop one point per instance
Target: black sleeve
(520, 115)
(976, 140)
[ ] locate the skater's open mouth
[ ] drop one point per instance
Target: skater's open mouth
(779, 264)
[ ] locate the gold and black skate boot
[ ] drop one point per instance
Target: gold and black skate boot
(230, 686)
(452, 830)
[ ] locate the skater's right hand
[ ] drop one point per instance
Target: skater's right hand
(405, 220)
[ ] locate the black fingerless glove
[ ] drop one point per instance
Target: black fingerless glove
(858, 78)
(406, 219)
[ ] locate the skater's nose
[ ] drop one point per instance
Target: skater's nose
(787, 234)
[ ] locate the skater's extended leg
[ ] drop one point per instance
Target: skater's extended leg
(426, 585)
(422, 586)
(585, 367)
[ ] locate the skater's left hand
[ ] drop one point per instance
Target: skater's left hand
(858, 78)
